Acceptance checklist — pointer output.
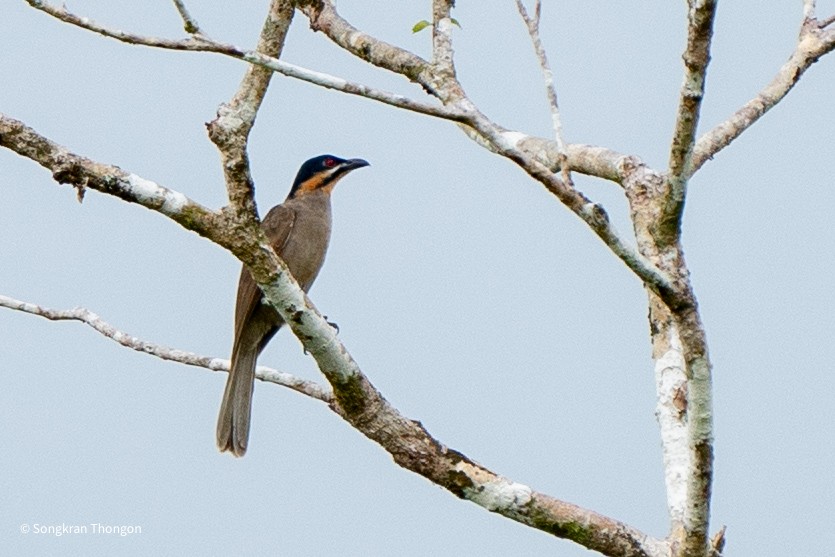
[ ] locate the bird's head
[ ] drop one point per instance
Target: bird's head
(322, 173)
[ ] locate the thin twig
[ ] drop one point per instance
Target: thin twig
(824, 23)
(189, 23)
(197, 43)
(532, 24)
(269, 375)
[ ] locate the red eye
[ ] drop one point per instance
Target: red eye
(330, 163)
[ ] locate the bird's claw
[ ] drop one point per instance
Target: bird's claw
(332, 324)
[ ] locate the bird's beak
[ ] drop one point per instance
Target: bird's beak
(352, 164)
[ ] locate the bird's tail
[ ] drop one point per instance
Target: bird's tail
(233, 421)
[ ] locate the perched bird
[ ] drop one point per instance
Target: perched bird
(299, 231)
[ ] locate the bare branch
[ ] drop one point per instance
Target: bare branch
(442, 53)
(700, 16)
(809, 9)
(82, 173)
(204, 44)
(355, 398)
(189, 23)
(683, 371)
(193, 43)
(595, 161)
(324, 18)
(230, 130)
(587, 159)
(717, 543)
(354, 88)
(269, 375)
(591, 213)
(483, 487)
(532, 24)
(813, 43)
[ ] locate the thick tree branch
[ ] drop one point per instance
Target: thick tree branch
(269, 375)
(682, 368)
(82, 173)
(685, 402)
(464, 478)
(356, 399)
(656, 202)
(814, 41)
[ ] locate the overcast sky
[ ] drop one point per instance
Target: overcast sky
(471, 298)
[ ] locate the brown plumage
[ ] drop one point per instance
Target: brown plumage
(299, 232)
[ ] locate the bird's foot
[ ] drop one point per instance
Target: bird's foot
(332, 324)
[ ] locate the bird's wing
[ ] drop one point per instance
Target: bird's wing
(277, 226)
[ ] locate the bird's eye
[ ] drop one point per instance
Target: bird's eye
(330, 163)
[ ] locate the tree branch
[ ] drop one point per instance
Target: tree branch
(809, 7)
(700, 16)
(269, 375)
(442, 53)
(813, 42)
(230, 130)
(324, 18)
(82, 173)
(532, 23)
(204, 44)
(189, 23)
(679, 343)
(595, 161)
(355, 398)
(591, 213)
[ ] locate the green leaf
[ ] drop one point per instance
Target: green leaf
(455, 22)
(420, 26)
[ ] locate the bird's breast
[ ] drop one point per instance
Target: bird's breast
(307, 244)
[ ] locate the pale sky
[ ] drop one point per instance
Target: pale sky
(469, 296)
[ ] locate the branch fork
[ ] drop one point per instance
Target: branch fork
(656, 202)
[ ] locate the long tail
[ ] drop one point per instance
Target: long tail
(233, 421)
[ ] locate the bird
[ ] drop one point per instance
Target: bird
(299, 231)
